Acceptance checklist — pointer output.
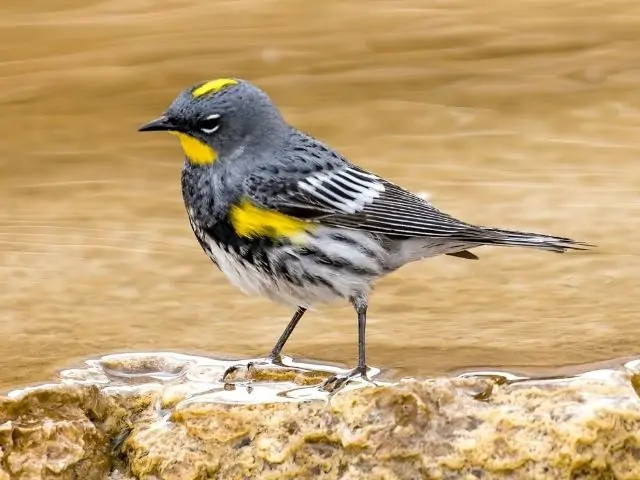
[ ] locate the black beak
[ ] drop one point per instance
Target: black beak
(162, 124)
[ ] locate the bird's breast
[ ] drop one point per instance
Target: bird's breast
(221, 243)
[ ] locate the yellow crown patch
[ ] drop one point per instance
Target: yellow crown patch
(213, 86)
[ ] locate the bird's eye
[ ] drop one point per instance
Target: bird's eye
(210, 124)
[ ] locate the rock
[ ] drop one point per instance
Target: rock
(51, 432)
(167, 416)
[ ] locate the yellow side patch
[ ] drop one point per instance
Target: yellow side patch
(197, 152)
(251, 221)
(213, 86)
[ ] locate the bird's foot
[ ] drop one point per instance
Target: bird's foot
(336, 382)
(248, 370)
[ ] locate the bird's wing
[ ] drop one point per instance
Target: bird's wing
(346, 196)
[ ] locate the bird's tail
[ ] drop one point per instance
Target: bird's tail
(514, 238)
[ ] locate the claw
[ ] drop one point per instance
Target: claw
(336, 382)
(231, 370)
(237, 368)
(269, 361)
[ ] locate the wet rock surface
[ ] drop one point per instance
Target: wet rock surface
(169, 416)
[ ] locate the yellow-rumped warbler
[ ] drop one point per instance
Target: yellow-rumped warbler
(285, 216)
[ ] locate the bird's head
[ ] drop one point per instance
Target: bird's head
(219, 118)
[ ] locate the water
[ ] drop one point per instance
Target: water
(521, 115)
(178, 380)
(191, 378)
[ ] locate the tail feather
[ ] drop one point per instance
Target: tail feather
(514, 238)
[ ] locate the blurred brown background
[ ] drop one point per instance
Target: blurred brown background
(515, 114)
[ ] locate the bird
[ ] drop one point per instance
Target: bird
(285, 216)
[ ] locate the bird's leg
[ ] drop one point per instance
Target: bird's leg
(274, 357)
(335, 382)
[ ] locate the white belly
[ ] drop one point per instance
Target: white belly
(247, 278)
(253, 281)
(296, 279)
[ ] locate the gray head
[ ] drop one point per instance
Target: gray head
(220, 118)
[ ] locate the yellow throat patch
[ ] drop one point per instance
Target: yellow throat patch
(213, 86)
(197, 152)
(251, 221)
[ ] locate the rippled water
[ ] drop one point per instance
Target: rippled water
(521, 115)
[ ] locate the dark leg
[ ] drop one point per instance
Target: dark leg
(277, 349)
(359, 302)
(274, 356)
(361, 309)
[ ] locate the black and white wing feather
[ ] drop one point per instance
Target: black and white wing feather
(347, 196)
(343, 195)
(371, 203)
